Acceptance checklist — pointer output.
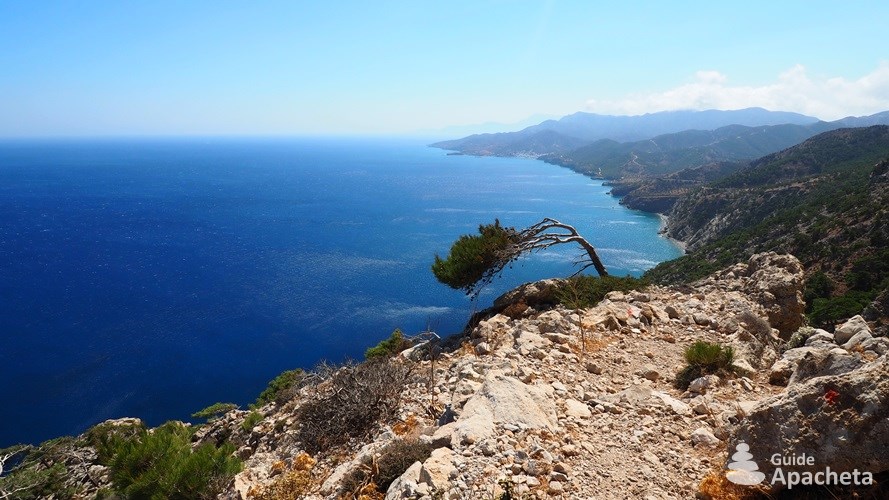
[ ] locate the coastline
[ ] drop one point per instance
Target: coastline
(663, 232)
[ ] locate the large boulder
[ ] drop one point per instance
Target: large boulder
(776, 283)
(839, 420)
(850, 328)
(505, 400)
(537, 293)
(823, 362)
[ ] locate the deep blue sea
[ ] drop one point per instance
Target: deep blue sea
(152, 278)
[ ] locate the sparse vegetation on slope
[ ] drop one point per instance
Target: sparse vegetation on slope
(824, 201)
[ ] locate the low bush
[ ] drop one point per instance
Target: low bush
(350, 403)
(26, 475)
(704, 358)
(281, 388)
(162, 464)
(798, 339)
(214, 410)
(581, 292)
(378, 473)
(251, 420)
(826, 313)
(107, 438)
(389, 347)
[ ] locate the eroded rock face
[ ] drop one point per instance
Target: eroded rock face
(840, 420)
(777, 284)
(534, 294)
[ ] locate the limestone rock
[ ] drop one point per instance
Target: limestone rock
(777, 284)
(700, 385)
(650, 372)
(574, 408)
(847, 330)
(702, 436)
(405, 485)
(507, 400)
(857, 340)
(438, 469)
(533, 294)
(840, 420)
(820, 336)
(783, 369)
(823, 362)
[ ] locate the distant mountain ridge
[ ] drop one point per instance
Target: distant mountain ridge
(589, 127)
(576, 141)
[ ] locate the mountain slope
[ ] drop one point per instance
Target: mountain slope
(824, 201)
(670, 153)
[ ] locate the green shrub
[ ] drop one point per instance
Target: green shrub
(472, 257)
(826, 313)
(107, 438)
(580, 292)
(250, 421)
(799, 338)
(31, 481)
(215, 410)
(280, 388)
(818, 285)
(704, 358)
(389, 347)
(161, 464)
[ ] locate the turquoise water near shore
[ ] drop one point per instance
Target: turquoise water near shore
(151, 278)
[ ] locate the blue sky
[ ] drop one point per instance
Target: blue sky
(170, 68)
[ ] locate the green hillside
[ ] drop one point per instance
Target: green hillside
(824, 201)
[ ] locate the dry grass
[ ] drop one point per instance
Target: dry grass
(590, 341)
(408, 426)
(290, 485)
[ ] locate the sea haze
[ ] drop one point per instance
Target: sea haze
(151, 278)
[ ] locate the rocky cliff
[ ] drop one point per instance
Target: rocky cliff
(578, 404)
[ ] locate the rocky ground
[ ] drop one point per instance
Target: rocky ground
(582, 403)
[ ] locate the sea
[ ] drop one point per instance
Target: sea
(154, 277)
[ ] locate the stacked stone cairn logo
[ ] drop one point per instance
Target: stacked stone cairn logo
(743, 470)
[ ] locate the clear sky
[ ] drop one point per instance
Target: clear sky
(377, 67)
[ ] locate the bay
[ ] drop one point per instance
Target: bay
(153, 277)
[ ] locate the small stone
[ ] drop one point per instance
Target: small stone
(483, 348)
(574, 408)
(535, 467)
(558, 476)
(700, 385)
(704, 437)
(593, 368)
(569, 450)
(555, 488)
(650, 372)
(741, 365)
(651, 457)
(671, 311)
